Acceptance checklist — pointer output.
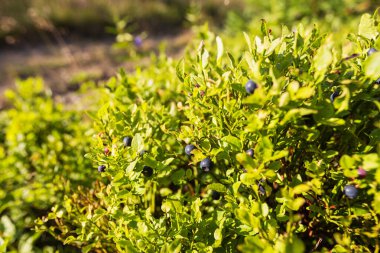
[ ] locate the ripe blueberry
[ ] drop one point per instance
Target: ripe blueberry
(206, 164)
(371, 51)
(361, 172)
(333, 96)
(249, 152)
(250, 87)
(137, 41)
(377, 81)
(350, 191)
(215, 195)
(101, 168)
(127, 141)
(147, 171)
(261, 190)
(188, 149)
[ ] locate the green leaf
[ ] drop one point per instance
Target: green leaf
(274, 44)
(367, 27)
(177, 176)
(232, 143)
(248, 163)
(220, 50)
(137, 143)
(294, 245)
(333, 122)
(305, 92)
(296, 113)
(301, 188)
(87, 248)
(342, 102)
(69, 239)
(265, 209)
(180, 70)
(346, 162)
(248, 40)
(205, 57)
(217, 187)
(218, 236)
(296, 203)
(245, 217)
(264, 148)
(321, 61)
(372, 66)
(250, 178)
(195, 210)
(9, 227)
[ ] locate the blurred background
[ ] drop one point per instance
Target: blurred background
(70, 41)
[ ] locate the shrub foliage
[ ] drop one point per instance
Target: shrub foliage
(309, 181)
(42, 149)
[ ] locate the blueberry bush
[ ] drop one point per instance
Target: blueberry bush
(42, 147)
(268, 145)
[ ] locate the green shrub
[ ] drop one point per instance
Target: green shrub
(42, 149)
(312, 122)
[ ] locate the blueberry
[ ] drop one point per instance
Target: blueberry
(333, 96)
(371, 51)
(147, 171)
(189, 148)
(106, 151)
(249, 152)
(350, 191)
(215, 195)
(206, 164)
(101, 168)
(261, 190)
(377, 81)
(127, 141)
(361, 172)
(250, 87)
(137, 41)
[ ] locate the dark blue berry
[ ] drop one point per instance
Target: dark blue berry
(206, 164)
(250, 87)
(371, 51)
(215, 195)
(127, 141)
(189, 148)
(137, 41)
(147, 171)
(261, 190)
(333, 96)
(377, 81)
(350, 191)
(101, 168)
(249, 152)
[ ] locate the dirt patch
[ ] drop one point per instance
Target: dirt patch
(65, 64)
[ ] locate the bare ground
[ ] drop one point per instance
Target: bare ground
(64, 64)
